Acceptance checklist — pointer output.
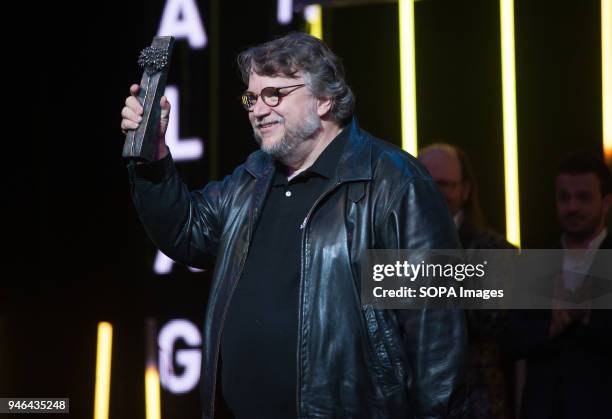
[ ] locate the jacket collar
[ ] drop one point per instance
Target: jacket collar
(355, 162)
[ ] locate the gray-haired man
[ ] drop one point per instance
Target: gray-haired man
(285, 330)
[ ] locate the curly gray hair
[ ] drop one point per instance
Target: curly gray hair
(296, 52)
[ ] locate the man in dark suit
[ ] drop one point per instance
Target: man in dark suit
(569, 352)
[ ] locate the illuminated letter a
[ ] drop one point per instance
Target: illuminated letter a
(181, 19)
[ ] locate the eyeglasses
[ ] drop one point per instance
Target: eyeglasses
(271, 96)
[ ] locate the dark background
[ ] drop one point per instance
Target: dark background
(78, 250)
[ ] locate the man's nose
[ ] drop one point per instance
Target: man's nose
(260, 109)
(572, 204)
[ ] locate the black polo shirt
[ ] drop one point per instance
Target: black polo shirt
(259, 341)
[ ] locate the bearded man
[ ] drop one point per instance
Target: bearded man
(286, 335)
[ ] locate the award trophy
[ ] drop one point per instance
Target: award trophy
(142, 143)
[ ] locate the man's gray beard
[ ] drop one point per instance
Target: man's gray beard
(293, 137)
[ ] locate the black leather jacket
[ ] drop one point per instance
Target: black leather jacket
(352, 361)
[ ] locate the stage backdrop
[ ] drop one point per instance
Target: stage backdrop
(89, 259)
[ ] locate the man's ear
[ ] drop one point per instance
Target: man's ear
(324, 105)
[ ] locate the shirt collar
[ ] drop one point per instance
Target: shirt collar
(594, 243)
(355, 161)
(458, 219)
(326, 163)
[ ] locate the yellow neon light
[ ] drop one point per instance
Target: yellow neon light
(314, 17)
(103, 370)
(606, 79)
(153, 401)
(407, 76)
(513, 230)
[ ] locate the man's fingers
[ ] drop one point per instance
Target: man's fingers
(165, 106)
(134, 89)
(133, 103)
(164, 102)
(127, 125)
(132, 111)
(130, 114)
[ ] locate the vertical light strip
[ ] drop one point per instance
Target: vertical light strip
(152, 394)
(407, 76)
(153, 401)
(103, 370)
(606, 79)
(314, 17)
(513, 231)
(284, 11)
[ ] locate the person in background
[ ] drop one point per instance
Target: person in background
(569, 351)
(452, 171)
(490, 371)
